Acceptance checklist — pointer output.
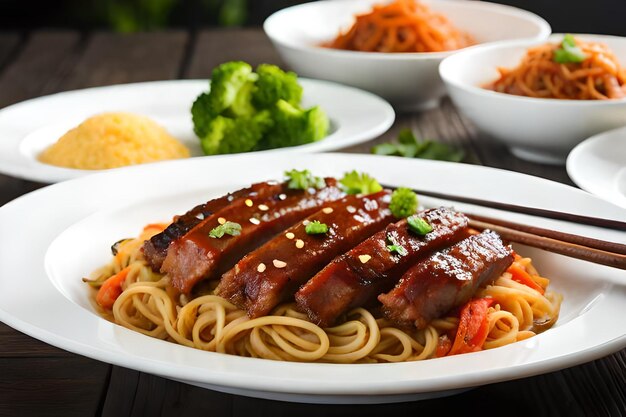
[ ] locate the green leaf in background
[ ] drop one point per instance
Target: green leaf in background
(409, 147)
(233, 12)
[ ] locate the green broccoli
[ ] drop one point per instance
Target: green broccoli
(246, 111)
(275, 84)
(227, 135)
(294, 126)
(403, 203)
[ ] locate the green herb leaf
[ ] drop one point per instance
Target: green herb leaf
(228, 228)
(409, 146)
(385, 149)
(355, 183)
(418, 225)
(316, 228)
(400, 250)
(406, 137)
(569, 52)
(301, 180)
(403, 203)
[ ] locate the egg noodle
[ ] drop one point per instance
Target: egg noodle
(401, 26)
(147, 304)
(598, 77)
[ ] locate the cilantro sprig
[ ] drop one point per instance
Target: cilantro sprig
(302, 180)
(359, 183)
(569, 52)
(228, 228)
(409, 146)
(316, 228)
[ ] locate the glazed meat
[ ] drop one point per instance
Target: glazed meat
(357, 277)
(446, 280)
(272, 273)
(197, 256)
(155, 249)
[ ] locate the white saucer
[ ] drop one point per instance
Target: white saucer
(598, 165)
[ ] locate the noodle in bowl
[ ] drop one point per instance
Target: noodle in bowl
(539, 129)
(407, 80)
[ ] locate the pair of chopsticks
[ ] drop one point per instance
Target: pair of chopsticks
(575, 246)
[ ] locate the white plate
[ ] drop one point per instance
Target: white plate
(29, 127)
(42, 294)
(598, 165)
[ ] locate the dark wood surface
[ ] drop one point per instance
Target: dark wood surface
(37, 379)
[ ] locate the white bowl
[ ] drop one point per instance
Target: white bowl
(407, 80)
(537, 129)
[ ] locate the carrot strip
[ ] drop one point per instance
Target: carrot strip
(523, 277)
(111, 289)
(473, 327)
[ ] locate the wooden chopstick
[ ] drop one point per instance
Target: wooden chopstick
(565, 237)
(551, 214)
(591, 254)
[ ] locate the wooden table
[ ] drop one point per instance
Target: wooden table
(38, 379)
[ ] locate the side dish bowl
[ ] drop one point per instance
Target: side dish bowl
(407, 80)
(537, 129)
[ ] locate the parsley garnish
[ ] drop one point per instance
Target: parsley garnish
(569, 52)
(228, 228)
(400, 250)
(315, 228)
(403, 203)
(418, 225)
(301, 180)
(355, 183)
(409, 146)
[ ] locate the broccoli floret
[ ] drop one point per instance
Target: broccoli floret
(228, 135)
(275, 84)
(403, 203)
(201, 115)
(228, 81)
(293, 126)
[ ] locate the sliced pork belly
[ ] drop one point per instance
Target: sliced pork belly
(272, 273)
(446, 280)
(357, 277)
(155, 249)
(196, 255)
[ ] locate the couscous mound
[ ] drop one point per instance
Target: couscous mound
(112, 140)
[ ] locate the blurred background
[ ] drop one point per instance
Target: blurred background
(597, 16)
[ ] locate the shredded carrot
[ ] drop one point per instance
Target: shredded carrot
(111, 289)
(473, 327)
(401, 26)
(520, 275)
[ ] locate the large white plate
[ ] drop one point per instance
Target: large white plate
(54, 236)
(598, 165)
(29, 127)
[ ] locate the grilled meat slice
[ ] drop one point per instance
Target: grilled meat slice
(272, 273)
(155, 249)
(357, 277)
(446, 280)
(196, 255)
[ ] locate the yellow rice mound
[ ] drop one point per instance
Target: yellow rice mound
(112, 140)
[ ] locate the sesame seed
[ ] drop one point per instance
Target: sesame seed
(261, 267)
(351, 209)
(282, 196)
(299, 243)
(279, 264)
(289, 235)
(305, 222)
(255, 221)
(221, 220)
(263, 207)
(249, 203)
(364, 258)
(327, 210)
(200, 216)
